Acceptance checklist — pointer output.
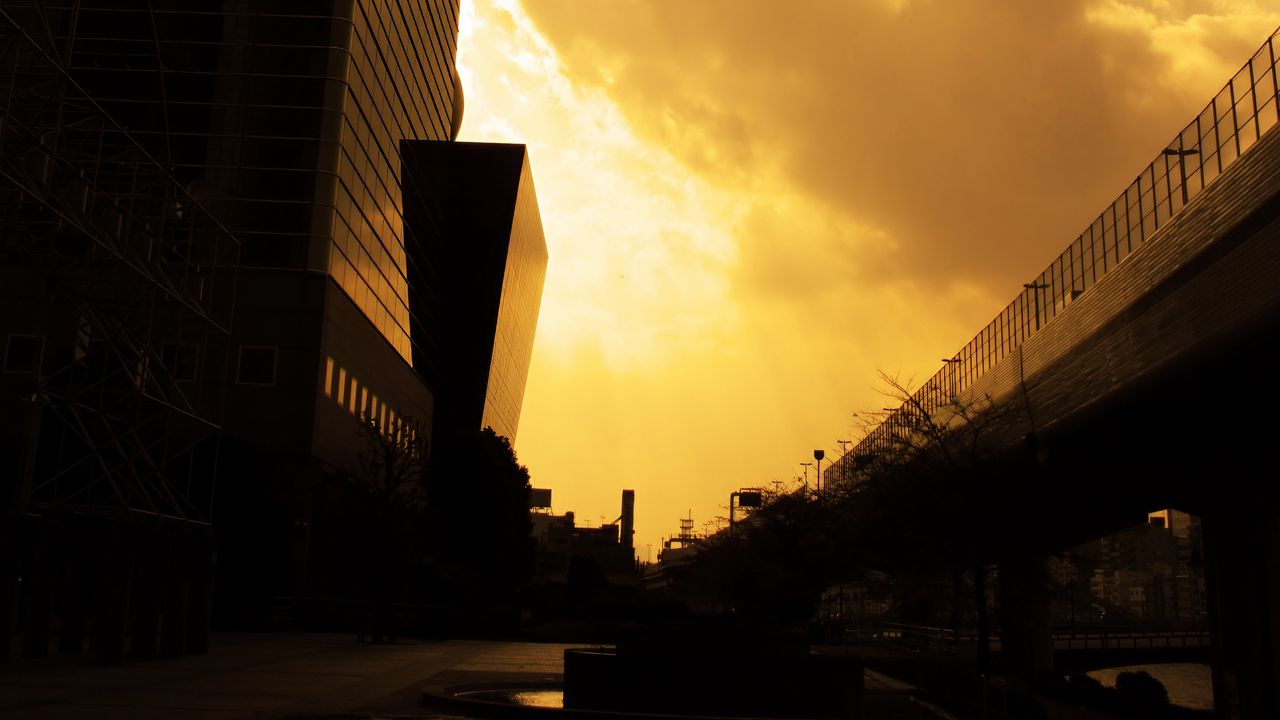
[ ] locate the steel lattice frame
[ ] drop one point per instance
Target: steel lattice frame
(129, 268)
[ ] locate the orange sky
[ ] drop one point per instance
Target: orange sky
(750, 208)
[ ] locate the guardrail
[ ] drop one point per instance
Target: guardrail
(1245, 109)
(1121, 639)
(947, 641)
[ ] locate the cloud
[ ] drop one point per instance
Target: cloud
(977, 137)
(752, 207)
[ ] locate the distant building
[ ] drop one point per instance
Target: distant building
(565, 548)
(1151, 571)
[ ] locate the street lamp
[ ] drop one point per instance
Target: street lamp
(844, 461)
(806, 465)
(890, 418)
(950, 363)
(1182, 164)
(1037, 287)
(818, 455)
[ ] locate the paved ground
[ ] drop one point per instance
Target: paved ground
(258, 676)
(265, 676)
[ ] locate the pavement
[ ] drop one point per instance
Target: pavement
(260, 676)
(264, 676)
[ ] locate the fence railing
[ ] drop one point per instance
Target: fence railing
(1232, 122)
(948, 641)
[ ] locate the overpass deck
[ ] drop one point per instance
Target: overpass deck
(1184, 256)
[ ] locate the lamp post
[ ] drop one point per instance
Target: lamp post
(817, 484)
(1036, 287)
(950, 364)
(1182, 164)
(890, 420)
(844, 461)
(806, 465)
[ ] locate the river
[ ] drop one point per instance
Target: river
(1190, 685)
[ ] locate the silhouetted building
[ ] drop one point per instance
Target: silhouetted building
(1151, 571)
(307, 107)
(477, 263)
(223, 179)
(562, 545)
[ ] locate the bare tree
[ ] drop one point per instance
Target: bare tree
(391, 483)
(393, 462)
(945, 446)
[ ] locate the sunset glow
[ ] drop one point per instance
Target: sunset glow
(749, 212)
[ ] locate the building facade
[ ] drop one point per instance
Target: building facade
(245, 164)
(478, 259)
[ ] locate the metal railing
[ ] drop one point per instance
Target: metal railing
(1231, 123)
(948, 641)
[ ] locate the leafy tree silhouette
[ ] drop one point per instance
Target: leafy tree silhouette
(911, 507)
(478, 509)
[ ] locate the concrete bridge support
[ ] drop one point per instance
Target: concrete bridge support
(1026, 619)
(1242, 559)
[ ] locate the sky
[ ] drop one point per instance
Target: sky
(753, 208)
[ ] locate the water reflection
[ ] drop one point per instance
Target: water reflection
(1190, 685)
(539, 698)
(544, 697)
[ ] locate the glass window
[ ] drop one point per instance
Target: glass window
(342, 386)
(328, 377)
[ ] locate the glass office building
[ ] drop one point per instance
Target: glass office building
(517, 319)
(308, 111)
(398, 82)
(478, 259)
(276, 128)
(284, 116)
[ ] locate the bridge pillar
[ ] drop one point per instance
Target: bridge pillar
(1026, 618)
(1242, 568)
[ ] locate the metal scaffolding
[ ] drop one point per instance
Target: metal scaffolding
(115, 261)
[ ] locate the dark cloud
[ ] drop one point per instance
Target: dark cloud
(979, 136)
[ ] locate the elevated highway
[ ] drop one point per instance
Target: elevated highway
(1139, 371)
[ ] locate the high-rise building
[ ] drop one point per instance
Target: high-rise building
(477, 263)
(284, 120)
(274, 128)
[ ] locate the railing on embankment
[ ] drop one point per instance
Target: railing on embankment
(1077, 648)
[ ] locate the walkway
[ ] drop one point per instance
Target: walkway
(264, 676)
(258, 676)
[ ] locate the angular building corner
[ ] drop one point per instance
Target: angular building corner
(475, 238)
